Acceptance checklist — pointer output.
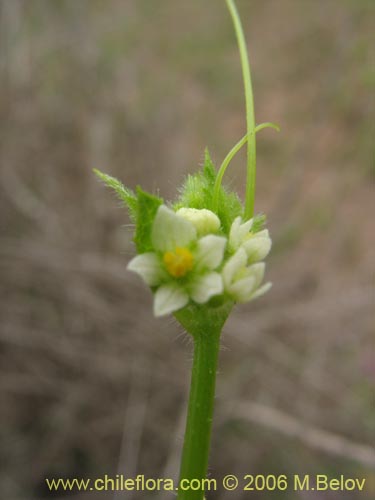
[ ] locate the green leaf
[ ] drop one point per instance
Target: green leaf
(230, 207)
(197, 192)
(209, 170)
(147, 206)
(124, 194)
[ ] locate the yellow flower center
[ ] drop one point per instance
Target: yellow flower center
(179, 262)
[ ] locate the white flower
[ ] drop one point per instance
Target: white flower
(256, 245)
(242, 282)
(238, 233)
(204, 220)
(182, 265)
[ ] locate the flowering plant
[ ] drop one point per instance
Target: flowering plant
(200, 255)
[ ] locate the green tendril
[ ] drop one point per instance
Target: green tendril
(250, 115)
(228, 159)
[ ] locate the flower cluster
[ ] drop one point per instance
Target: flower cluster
(193, 260)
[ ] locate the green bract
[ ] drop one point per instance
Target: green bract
(198, 192)
(190, 256)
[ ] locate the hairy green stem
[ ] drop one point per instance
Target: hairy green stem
(205, 325)
(228, 159)
(250, 115)
(195, 454)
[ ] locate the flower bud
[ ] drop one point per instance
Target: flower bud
(204, 221)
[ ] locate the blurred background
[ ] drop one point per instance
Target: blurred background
(90, 382)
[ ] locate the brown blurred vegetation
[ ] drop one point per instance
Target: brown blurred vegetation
(90, 382)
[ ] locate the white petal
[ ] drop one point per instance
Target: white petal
(243, 289)
(245, 228)
(206, 286)
(264, 233)
(204, 220)
(234, 237)
(238, 232)
(210, 251)
(262, 290)
(257, 248)
(149, 268)
(234, 264)
(257, 271)
(169, 298)
(170, 231)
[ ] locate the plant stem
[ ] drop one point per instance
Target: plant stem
(205, 325)
(200, 412)
(228, 159)
(250, 115)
